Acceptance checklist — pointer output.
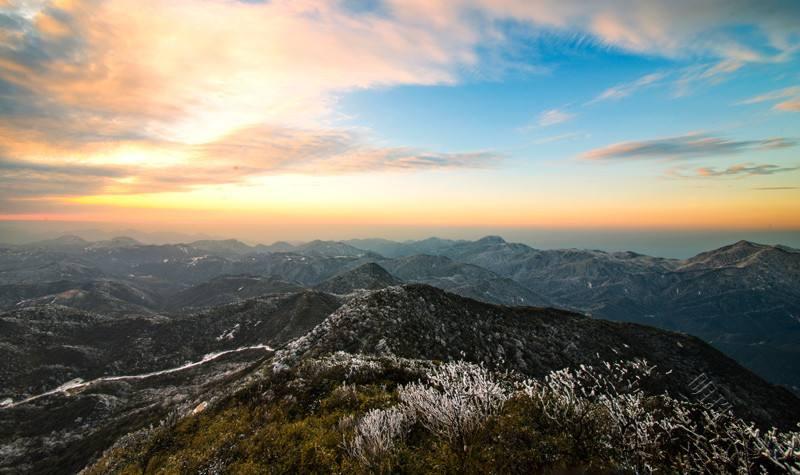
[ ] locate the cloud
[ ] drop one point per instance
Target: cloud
(742, 170)
(560, 137)
(626, 89)
(193, 71)
(685, 146)
(790, 94)
(326, 151)
(147, 95)
(774, 95)
(775, 188)
(678, 28)
(554, 117)
(691, 76)
(235, 158)
(792, 105)
(685, 80)
(80, 170)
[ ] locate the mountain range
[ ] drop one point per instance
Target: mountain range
(74, 381)
(744, 299)
(101, 340)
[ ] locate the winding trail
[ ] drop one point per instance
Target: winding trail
(80, 384)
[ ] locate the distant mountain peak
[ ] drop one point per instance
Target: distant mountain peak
(116, 242)
(492, 240)
(369, 276)
(277, 246)
(66, 241)
(739, 254)
(69, 238)
(232, 246)
(331, 249)
(741, 246)
(372, 269)
(228, 242)
(124, 239)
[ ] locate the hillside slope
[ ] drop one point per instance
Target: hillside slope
(422, 322)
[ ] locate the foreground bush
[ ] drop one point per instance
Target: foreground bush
(455, 402)
(601, 415)
(352, 413)
(376, 437)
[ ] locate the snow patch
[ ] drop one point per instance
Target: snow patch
(230, 334)
(79, 384)
(194, 260)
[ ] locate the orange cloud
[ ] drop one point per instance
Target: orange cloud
(789, 98)
(144, 166)
(792, 105)
(744, 170)
(194, 71)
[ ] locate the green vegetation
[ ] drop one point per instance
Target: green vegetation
(353, 414)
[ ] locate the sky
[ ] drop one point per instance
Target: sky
(298, 119)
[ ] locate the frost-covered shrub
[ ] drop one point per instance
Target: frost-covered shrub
(348, 366)
(456, 401)
(355, 368)
(346, 393)
(376, 436)
(720, 442)
(644, 432)
(568, 394)
(600, 408)
(597, 418)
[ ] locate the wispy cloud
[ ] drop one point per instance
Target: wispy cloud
(554, 117)
(559, 138)
(740, 170)
(692, 145)
(683, 80)
(775, 188)
(328, 151)
(786, 99)
(692, 76)
(623, 90)
(744, 169)
(70, 169)
(236, 158)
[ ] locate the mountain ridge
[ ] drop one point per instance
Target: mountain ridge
(422, 322)
(414, 321)
(744, 297)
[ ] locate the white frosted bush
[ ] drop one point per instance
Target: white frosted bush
(724, 443)
(712, 441)
(457, 400)
(376, 436)
(640, 433)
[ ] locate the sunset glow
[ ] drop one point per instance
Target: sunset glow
(295, 116)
